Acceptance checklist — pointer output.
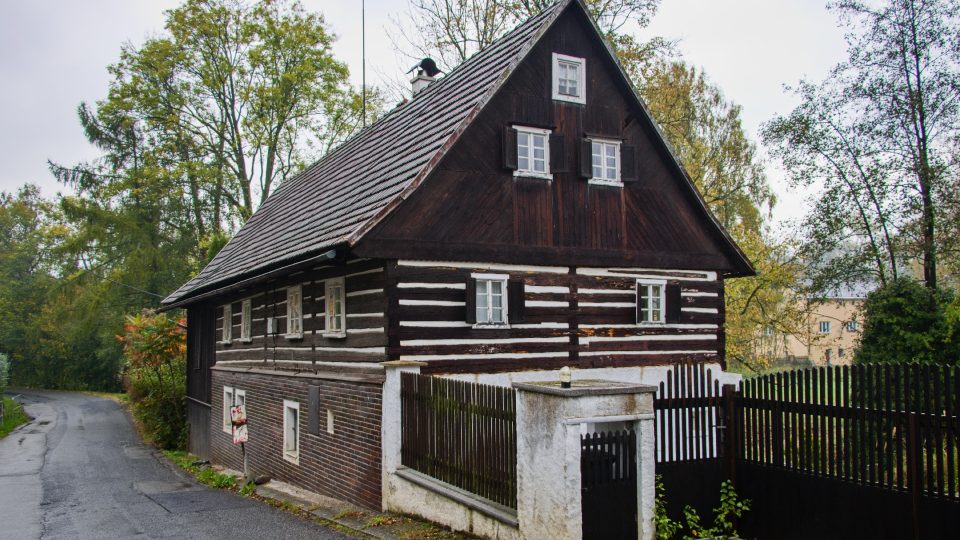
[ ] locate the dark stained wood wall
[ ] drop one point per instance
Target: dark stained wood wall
(364, 343)
(471, 208)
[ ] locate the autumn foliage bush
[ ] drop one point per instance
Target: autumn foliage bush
(154, 375)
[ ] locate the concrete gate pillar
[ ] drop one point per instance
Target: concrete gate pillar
(550, 420)
(391, 428)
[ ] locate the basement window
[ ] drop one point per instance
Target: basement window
(568, 78)
(491, 298)
(605, 157)
(336, 318)
(533, 152)
(246, 321)
(294, 312)
(227, 324)
(291, 431)
(650, 301)
(228, 397)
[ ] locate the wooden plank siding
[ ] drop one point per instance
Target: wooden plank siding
(366, 337)
(581, 317)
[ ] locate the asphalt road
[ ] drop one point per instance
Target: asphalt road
(79, 470)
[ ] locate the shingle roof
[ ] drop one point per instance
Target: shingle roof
(337, 199)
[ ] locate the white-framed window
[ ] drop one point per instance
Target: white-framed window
(568, 78)
(533, 152)
(228, 397)
(291, 431)
(336, 318)
(841, 352)
(246, 321)
(227, 336)
(824, 327)
(768, 331)
(605, 156)
(828, 355)
(851, 326)
(295, 312)
(651, 297)
(491, 300)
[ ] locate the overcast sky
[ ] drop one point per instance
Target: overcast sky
(54, 55)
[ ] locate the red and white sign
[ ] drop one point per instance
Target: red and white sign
(238, 417)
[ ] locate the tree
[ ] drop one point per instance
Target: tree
(899, 325)
(879, 133)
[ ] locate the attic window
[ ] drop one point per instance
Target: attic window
(568, 78)
(533, 152)
(605, 162)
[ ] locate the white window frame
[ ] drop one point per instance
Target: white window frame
(603, 180)
(227, 330)
(294, 312)
(246, 321)
(330, 286)
(581, 64)
(825, 327)
(647, 283)
(293, 456)
(851, 326)
(227, 403)
(504, 280)
(530, 172)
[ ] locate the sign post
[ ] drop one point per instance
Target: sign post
(238, 418)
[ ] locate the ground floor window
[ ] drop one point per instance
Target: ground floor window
(228, 396)
(291, 431)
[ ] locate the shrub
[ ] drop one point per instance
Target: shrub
(907, 322)
(4, 372)
(154, 375)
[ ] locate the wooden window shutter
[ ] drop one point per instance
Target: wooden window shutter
(674, 303)
(313, 409)
(509, 150)
(515, 300)
(586, 158)
(558, 154)
(641, 300)
(471, 301)
(628, 163)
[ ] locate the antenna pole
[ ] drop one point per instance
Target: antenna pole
(363, 54)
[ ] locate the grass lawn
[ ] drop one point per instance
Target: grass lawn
(13, 416)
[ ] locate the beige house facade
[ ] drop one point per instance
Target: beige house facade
(831, 333)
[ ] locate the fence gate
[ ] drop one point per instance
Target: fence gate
(608, 486)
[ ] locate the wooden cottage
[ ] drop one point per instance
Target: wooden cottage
(519, 214)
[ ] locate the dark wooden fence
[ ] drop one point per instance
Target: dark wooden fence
(461, 433)
(830, 452)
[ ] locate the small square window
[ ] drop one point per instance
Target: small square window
(568, 78)
(851, 326)
(336, 318)
(291, 431)
(841, 352)
(533, 152)
(824, 327)
(491, 300)
(295, 312)
(246, 321)
(227, 323)
(228, 397)
(651, 299)
(606, 162)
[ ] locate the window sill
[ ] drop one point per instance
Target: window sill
(491, 326)
(225, 342)
(292, 458)
(228, 431)
(293, 337)
(246, 340)
(601, 182)
(651, 323)
(334, 335)
(533, 175)
(579, 100)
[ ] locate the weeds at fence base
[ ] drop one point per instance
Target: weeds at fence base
(731, 508)
(13, 416)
